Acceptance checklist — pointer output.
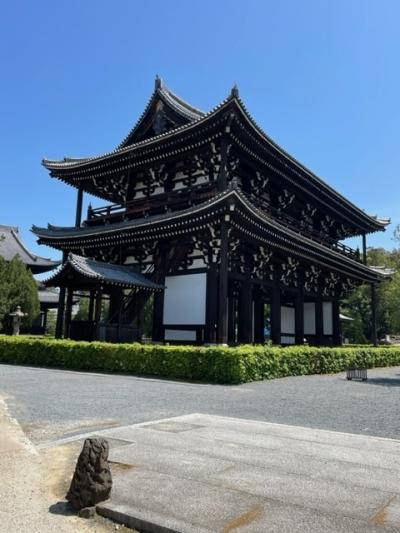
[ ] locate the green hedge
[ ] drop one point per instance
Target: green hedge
(211, 364)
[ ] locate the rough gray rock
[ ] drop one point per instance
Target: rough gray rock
(92, 480)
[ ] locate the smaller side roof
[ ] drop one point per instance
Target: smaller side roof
(100, 273)
(11, 245)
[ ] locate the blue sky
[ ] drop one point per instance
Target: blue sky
(321, 77)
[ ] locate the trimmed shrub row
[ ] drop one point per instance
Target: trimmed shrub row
(196, 363)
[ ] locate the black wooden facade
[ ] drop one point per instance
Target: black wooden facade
(244, 238)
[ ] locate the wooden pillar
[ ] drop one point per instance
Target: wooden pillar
(319, 320)
(79, 201)
(211, 305)
(245, 311)
(222, 328)
(45, 311)
(60, 313)
(258, 315)
(115, 305)
(231, 319)
(91, 306)
(337, 333)
(374, 332)
(68, 312)
(158, 302)
(61, 306)
(299, 314)
(276, 306)
(364, 248)
(97, 313)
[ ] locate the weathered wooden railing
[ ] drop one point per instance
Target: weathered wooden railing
(156, 204)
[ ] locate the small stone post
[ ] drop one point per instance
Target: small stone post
(92, 481)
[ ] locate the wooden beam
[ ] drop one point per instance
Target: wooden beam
(211, 305)
(68, 312)
(337, 333)
(79, 202)
(276, 306)
(299, 315)
(319, 320)
(158, 302)
(60, 314)
(364, 248)
(245, 325)
(258, 315)
(222, 329)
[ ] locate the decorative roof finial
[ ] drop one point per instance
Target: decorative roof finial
(235, 91)
(158, 82)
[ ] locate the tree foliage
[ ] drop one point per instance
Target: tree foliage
(17, 287)
(357, 305)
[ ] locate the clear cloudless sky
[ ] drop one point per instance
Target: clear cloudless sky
(321, 77)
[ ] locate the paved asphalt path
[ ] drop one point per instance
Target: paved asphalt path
(52, 404)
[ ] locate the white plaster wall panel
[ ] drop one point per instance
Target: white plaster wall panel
(180, 335)
(327, 318)
(287, 340)
(309, 318)
(287, 319)
(185, 299)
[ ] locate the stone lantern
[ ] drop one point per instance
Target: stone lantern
(17, 317)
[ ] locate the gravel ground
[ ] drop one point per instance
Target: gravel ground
(51, 404)
(33, 486)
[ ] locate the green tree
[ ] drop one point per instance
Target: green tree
(17, 287)
(357, 305)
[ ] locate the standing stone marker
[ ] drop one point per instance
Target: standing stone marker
(92, 480)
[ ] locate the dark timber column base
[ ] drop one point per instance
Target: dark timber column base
(258, 316)
(319, 321)
(222, 329)
(245, 311)
(68, 313)
(60, 314)
(210, 331)
(337, 333)
(299, 316)
(97, 314)
(158, 302)
(231, 318)
(276, 307)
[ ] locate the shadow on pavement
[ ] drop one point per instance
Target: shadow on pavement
(63, 508)
(385, 382)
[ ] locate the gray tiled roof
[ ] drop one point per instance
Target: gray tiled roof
(12, 245)
(107, 273)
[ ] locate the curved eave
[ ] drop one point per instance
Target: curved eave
(70, 163)
(289, 240)
(377, 223)
(86, 268)
(42, 266)
(373, 223)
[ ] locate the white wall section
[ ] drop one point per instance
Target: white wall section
(185, 299)
(309, 318)
(328, 318)
(287, 319)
